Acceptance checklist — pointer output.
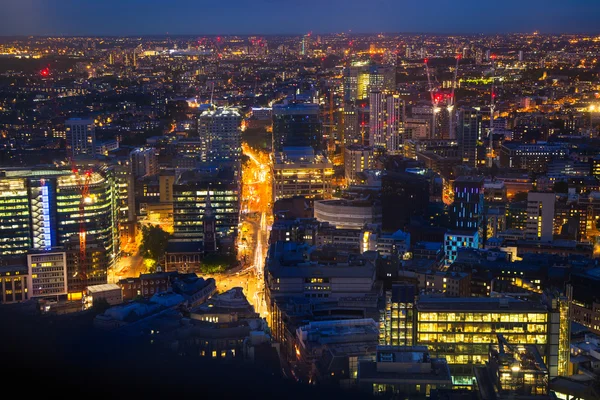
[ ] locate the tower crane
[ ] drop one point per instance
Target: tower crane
(492, 108)
(84, 184)
(434, 99)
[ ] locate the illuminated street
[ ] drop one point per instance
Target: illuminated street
(253, 239)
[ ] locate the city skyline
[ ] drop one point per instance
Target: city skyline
(183, 17)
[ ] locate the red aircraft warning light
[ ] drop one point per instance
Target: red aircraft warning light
(45, 72)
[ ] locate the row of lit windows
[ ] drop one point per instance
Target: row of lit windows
(480, 338)
(484, 327)
(483, 317)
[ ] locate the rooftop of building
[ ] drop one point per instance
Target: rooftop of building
(347, 202)
(221, 112)
(477, 304)
(103, 288)
(428, 246)
(232, 301)
(469, 179)
(340, 331)
(292, 259)
(300, 155)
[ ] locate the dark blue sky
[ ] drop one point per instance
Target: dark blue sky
(133, 17)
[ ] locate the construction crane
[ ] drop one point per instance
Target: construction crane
(492, 107)
(434, 98)
(84, 188)
(452, 101)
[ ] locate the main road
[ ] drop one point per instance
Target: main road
(256, 196)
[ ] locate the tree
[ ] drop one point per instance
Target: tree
(217, 263)
(560, 187)
(154, 242)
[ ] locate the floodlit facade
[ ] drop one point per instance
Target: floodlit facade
(220, 133)
(299, 171)
(460, 330)
(39, 209)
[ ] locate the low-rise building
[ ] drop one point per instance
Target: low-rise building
(348, 214)
(403, 372)
(455, 240)
(112, 293)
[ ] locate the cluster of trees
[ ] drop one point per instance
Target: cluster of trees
(154, 244)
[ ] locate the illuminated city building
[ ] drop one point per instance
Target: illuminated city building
(386, 121)
(13, 282)
(296, 123)
(513, 371)
(190, 193)
(144, 162)
(455, 240)
(300, 171)
(81, 137)
(47, 274)
(357, 159)
(540, 216)
(97, 260)
(532, 157)
(403, 372)
(467, 208)
(348, 214)
(42, 207)
(220, 133)
(461, 329)
(299, 270)
(396, 321)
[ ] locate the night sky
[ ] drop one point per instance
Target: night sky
(143, 17)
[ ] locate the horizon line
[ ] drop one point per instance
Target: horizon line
(167, 34)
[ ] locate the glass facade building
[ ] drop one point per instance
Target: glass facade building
(461, 329)
(39, 210)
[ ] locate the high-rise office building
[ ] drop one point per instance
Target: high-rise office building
(300, 171)
(461, 329)
(220, 132)
(396, 320)
(39, 209)
(81, 137)
(190, 194)
(296, 124)
(540, 216)
(404, 195)
(467, 209)
(468, 132)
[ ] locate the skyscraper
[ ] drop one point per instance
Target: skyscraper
(404, 195)
(468, 131)
(386, 121)
(377, 118)
(41, 210)
(81, 137)
(395, 129)
(220, 133)
(467, 209)
(296, 124)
